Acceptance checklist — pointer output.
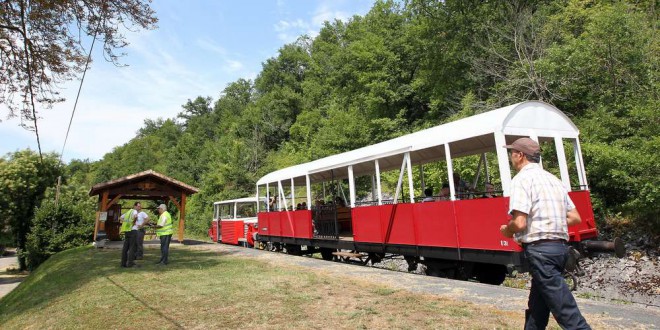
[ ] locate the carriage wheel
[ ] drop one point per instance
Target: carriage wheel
(326, 253)
(490, 274)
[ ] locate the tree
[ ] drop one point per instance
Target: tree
(41, 45)
(24, 180)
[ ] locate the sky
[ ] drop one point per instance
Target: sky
(199, 47)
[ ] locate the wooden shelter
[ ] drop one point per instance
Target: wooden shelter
(146, 185)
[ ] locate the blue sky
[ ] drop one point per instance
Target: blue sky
(200, 46)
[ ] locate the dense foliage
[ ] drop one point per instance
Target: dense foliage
(407, 66)
(24, 180)
(61, 226)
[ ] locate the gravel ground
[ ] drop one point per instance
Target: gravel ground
(634, 278)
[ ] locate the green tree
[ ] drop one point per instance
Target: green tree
(24, 181)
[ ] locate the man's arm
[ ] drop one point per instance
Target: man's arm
(517, 224)
(573, 217)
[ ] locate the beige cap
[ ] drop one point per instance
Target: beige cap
(162, 207)
(526, 145)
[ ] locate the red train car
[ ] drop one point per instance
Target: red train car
(368, 200)
(232, 220)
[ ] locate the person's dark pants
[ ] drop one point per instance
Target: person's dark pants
(549, 292)
(128, 249)
(164, 248)
(139, 253)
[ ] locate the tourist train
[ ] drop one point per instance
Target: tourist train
(369, 203)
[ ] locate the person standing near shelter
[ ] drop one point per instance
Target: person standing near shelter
(141, 221)
(164, 231)
(128, 249)
(541, 213)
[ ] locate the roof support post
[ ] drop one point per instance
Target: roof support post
(351, 185)
(503, 162)
(293, 194)
(378, 188)
(182, 217)
(257, 196)
(411, 191)
(398, 184)
(309, 192)
(580, 164)
(450, 173)
(561, 158)
(267, 198)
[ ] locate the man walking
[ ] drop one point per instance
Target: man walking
(128, 249)
(542, 212)
(164, 232)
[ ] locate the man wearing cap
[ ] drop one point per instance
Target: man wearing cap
(164, 231)
(541, 213)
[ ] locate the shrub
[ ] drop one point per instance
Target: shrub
(57, 229)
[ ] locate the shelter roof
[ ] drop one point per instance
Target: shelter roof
(144, 185)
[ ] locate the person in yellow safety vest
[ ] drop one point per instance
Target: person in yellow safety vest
(130, 239)
(164, 231)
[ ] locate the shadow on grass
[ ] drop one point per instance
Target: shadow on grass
(71, 270)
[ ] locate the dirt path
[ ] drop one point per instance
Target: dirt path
(8, 281)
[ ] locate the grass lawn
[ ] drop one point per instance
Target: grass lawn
(86, 288)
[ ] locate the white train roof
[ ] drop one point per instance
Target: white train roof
(239, 200)
(467, 136)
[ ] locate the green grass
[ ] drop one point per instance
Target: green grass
(86, 288)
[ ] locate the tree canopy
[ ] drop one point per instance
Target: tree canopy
(41, 45)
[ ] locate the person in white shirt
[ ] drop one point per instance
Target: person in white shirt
(141, 221)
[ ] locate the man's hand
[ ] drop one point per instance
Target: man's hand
(505, 231)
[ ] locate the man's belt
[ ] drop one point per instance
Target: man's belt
(542, 241)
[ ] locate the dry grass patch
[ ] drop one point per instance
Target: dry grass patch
(86, 288)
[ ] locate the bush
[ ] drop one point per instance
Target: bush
(57, 229)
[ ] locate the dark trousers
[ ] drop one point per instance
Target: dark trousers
(549, 292)
(139, 252)
(129, 248)
(165, 248)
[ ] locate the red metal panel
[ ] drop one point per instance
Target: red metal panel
(212, 231)
(479, 222)
(274, 224)
(264, 226)
(397, 224)
(231, 231)
(286, 223)
(435, 224)
(366, 224)
(303, 223)
(587, 228)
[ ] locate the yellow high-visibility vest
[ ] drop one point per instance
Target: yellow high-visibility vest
(128, 222)
(167, 228)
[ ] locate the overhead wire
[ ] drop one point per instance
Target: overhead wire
(75, 104)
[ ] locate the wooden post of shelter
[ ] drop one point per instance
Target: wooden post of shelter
(147, 185)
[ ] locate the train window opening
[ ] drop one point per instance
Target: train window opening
(245, 210)
(573, 165)
(226, 211)
(366, 187)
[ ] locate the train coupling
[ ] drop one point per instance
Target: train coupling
(615, 246)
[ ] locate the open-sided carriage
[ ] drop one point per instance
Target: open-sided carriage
(368, 201)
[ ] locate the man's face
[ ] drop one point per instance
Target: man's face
(516, 157)
(138, 206)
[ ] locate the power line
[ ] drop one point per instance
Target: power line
(89, 56)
